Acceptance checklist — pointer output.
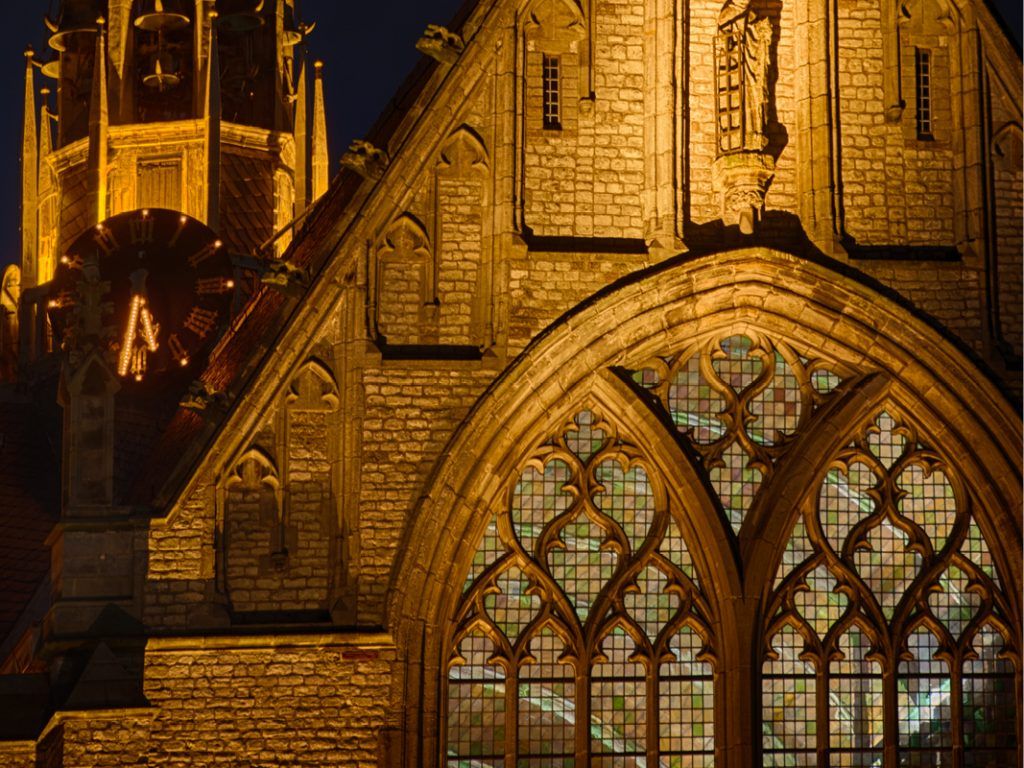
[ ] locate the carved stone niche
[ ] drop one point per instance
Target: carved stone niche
(256, 536)
(405, 305)
(463, 258)
(743, 169)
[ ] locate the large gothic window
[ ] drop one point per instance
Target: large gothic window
(583, 629)
(586, 629)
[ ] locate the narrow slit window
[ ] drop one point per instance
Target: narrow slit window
(552, 93)
(924, 94)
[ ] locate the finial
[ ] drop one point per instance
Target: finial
(29, 52)
(100, 22)
(319, 67)
(44, 91)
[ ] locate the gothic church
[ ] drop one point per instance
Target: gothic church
(643, 390)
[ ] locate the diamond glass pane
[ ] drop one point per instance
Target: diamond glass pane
(547, 695)
(627, 499)
(778, 409)
(844, 501)
(538, 498)
(618, 700)
(788, 704)
(736, 484)
(512, 609)
(925, 709)
(695, 407)
(990, 705)
(686, 709)
(855, 704)
(929, 502)
(476, 707)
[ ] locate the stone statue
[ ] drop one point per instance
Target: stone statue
(756, 61)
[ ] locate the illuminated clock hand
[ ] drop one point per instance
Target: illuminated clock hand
(134, 347)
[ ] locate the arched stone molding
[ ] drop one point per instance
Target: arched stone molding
(403, 311)
(313, 388)
(805, 303)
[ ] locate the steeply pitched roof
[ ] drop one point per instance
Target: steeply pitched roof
(29, 507)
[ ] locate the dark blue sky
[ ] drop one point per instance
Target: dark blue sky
(368, 48)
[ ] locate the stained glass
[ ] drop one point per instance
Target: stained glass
(990, 705)
(855, 705)
(788, 704)
(884, 441)
(652, 607)
(737, 367)
(929, 502)
(487, 553)
(844, 501)
(674, 548)
(582, 568)
(512, 609)
(547, 692)
(925, 709)
(798, 550)
(586, 439)
(954, 605)
(695, 407)
(778, 409)
(888, 567)
(736, 484)
(976, 550)
(618, 700)
(821, 606)
(627, 499)
(824, 381)
(539, 497)
(687, 705)
(476, 707)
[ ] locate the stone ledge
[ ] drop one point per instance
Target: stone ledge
(349, 642)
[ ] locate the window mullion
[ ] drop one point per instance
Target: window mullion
(511, 715)
(956, 704)
(653, 702)
(821, 693)
(890, 714)
(583, 710)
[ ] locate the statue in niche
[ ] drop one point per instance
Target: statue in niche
(743, 58)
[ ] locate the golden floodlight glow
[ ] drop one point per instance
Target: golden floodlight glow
(137, 315)
(128, 342)
(230, 284)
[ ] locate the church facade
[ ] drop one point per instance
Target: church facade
(643, 391)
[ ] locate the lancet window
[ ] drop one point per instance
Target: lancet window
(585, 635)
(888, 641)
(582, 632)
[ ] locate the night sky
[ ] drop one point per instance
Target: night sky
(368, 48)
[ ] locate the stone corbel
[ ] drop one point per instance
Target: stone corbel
(742, 180)
(440, 44)
(366, 160)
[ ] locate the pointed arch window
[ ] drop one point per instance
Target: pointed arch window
(582, 632)
(888, 599)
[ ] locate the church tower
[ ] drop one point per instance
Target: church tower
(197, 106)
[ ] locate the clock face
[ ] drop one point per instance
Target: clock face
(155, 285)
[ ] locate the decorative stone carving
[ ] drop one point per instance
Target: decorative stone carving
(204, 399)
(285, 277)
(366, 160)
(743, 59)
(440, 44)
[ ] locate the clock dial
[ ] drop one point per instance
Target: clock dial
(166, 285)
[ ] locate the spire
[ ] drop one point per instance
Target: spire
(321, 159)
(46, 258)
(99, 127)
(120, 29)
(301, 143)
(29, 180)
(212, 119)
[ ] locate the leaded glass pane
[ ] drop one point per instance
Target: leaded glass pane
(618, 700)
(687, 705)
(990, 705)
(736, 484)
(925, 730)
(788, 703)
(547, 692)
(476, 707)
(855, 705)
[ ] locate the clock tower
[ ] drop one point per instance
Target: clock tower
(208, 108)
